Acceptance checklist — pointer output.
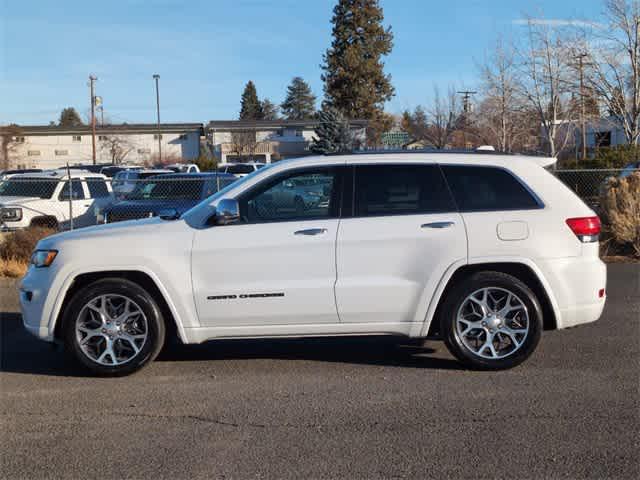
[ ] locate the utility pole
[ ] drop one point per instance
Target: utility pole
(466, 110)
(156, 78)
(92, 79)
(583, 125)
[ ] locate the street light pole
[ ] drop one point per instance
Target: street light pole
(92, 79)
(156, 78)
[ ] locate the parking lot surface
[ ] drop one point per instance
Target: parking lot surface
(332, 408)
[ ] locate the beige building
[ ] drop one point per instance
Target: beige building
(266, 140)
(54, 146)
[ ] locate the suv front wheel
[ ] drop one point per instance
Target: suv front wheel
(113, 327)
(491, 321)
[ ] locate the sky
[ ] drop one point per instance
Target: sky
(205, 51)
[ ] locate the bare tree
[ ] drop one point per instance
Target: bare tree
(9, 144)
(499, 118)
(615, 64)
(443, 117)
(244, 143)
(546, 82)
(116, 147)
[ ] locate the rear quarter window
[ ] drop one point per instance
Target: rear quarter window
(477, 188)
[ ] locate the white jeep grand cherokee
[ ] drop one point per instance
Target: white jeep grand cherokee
(483, 251)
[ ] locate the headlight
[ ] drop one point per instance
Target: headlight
(11, 214)
(43, 258)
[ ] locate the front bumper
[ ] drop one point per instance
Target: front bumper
(36, 302)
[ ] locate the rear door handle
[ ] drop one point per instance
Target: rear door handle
(437, 225)
(311, 231)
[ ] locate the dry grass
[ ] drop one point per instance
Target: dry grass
(620, 203)
(20, 244)
(13, 268)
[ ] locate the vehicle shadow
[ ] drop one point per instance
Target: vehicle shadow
(21, 353)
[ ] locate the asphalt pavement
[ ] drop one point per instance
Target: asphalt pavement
(332, 408)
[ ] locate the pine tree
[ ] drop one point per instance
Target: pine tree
(333, 134)
(355, 82)
(269, 110)
(69, 118)
(300, 103)
(250, 106)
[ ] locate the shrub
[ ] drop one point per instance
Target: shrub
(20, 244)
(620, 203)
(606, 157)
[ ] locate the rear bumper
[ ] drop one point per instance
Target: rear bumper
(576, 284)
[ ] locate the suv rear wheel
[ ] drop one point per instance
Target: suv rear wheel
(113, 327)
(491, 321)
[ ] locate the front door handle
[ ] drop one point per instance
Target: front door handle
(437, 225)
(311, 231)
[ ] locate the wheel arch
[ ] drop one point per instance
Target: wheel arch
(47, 221)
(524, 270)
(144, 279)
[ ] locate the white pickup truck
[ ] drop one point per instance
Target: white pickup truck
(52, 198)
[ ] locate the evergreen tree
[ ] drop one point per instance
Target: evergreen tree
(69, 118)
(300, 103)
(355, 82)
(333, 135)
(269, 110)
(250, 106)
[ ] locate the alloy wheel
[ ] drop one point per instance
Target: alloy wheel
(492, 323)
(111, 329)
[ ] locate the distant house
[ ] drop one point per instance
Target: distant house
(53, 146)
(267, 140)
(602, 132)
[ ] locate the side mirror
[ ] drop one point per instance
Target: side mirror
(168, 214)
(227, 211)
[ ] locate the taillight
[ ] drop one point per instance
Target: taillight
(586, 229)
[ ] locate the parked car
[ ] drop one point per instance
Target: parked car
(295, 195)
(183, 168)
(171, 194)
(483, 251)
(88, 167)
(125, 181)
(111, 170)
(51, 198)
(240, 169)
(4, 174)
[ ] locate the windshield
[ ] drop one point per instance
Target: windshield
(165, 189)
(28, 187)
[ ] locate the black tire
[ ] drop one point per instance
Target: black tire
(155, 326)
(454, 301)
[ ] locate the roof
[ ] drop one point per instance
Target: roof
(130, 128)
(60, 174)
(201, 175)
(408, 156)
(272, 124)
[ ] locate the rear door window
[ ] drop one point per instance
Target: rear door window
(477, 188)
(76, 189)
(97, 187)
(400, 190)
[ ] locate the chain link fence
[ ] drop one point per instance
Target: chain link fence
(61, 203)
(86, 199)
(589, 183)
